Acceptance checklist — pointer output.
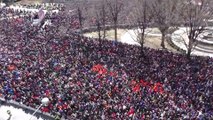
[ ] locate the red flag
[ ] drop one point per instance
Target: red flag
(131, 112)
(143, 83)
(136, 88)
(158, 87)
(133, 82)
(102, 71)
(112, 74)
(97, 68)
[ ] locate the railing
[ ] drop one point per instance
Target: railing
(26, 109)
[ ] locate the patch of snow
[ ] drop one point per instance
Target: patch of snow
(180, 39)
(17, 114)
(130, 37)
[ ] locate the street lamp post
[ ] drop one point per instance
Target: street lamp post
(44, 101)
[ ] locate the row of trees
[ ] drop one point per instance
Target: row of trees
(163, 14)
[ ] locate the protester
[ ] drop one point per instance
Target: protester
(86, 79)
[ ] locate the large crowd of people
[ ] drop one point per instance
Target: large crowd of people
(45, 6)
(89, 79)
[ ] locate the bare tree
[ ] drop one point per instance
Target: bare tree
(115, 7)
(194, 16)
(98, 24)
(80, 18)
(101, 19)
(103, 14)
(141, 18)
(99, 29)
(165, 15)
(80, 7)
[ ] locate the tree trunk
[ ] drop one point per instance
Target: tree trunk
(163, 40)
(104, 32)
(99, 31)
(142, 51)
(189, 53)
(142, 37)
(115, 28)
(80, 19)
(98, 24)
(104, 20)
(189, 49)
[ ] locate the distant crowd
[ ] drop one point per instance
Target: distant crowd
(45, 6)
(89, 79)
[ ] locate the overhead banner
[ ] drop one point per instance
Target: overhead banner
(41, 16)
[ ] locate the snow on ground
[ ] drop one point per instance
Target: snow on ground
(17, 114)
(130, 37)
(180, 39)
